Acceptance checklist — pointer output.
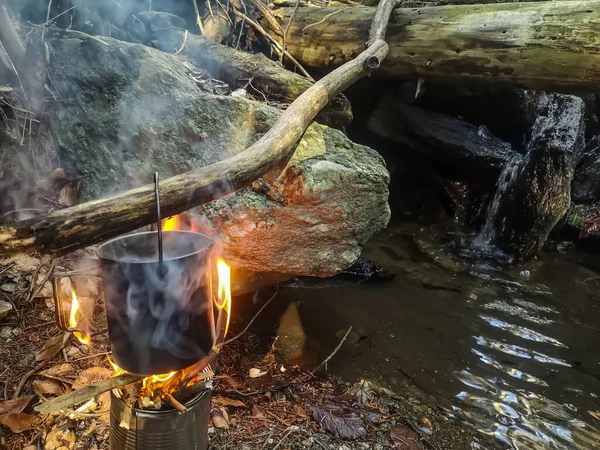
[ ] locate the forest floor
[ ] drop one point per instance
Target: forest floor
(286, 407)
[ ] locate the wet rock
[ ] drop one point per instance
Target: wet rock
(469, 149)
(291, 338)
(5, 309)
(586, 181)
(537, 195)
(438, 255)
(433, 278)
(129, 110)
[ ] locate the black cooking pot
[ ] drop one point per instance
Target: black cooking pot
(159, 315)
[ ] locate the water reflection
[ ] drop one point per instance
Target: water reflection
(512, 352)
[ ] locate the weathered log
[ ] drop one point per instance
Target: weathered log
(546, 45)
(470, 149)
(92, 222)
(257, 73)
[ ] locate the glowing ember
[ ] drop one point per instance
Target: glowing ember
(223, 301)
(83, 337)
(172, 223)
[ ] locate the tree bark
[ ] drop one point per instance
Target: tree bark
(542, 45)
(238, 68)
(93, 222)
(471, 150)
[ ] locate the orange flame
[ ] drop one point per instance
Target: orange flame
(223, 300)
(172, 223)
(83, 337)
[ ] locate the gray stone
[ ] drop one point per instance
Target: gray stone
(5, 309)
(586, 182)
(127, 110)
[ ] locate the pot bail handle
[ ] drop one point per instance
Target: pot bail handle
(159, 221)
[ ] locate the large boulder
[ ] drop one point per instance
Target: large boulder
(536, 191)
(126, 110)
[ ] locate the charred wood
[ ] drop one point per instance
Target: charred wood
(469, 149)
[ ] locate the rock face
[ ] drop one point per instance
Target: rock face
(537, 194)
(127, 110)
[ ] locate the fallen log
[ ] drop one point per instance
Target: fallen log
(546, 45)
(472, 150)
(256, 73)
(83, 225)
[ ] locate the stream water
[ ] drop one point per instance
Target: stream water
(510, 351)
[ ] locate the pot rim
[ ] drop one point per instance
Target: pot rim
(100, 249)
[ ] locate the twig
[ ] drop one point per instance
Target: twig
(285, 32)
(85, 393)
(337, 349)
(47, 18)
(92, 356)
(57, 16)
(185, 38)
(274, 43)
(178, 406)
(26, 377)
(198, 19)
(210, 11)
(321, 21)
(240, 334)
(291, 429)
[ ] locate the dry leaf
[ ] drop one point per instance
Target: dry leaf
(229, 402)
(299, 411)
(92, 375)
(31, 447)
(21, 265)
(405, 438)
(18, 422)
(255, 373)
(60, 437)
(48, 387)
(59, 371)
(68, 195)
(220, 418)
(50, 348)
(16, 405)
(339, 422)
(257, 412)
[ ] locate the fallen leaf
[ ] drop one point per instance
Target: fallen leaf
(58, 174)
(257, 412)
(50, 349)
(60, 437)
(364, 392)
(104, 401)
(229, 402)
(255, 373)
(20, 265)
(299, 410)
(92, 375)
(18, 422)
(59, 371)
(16, 405)
(31, 447)
(48, 387)
(341, 423)
(220, 418)
(405, 438)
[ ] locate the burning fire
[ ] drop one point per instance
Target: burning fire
(83, 337)
(223, 301)
(172, 223)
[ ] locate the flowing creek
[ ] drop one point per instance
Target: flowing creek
(511, 351)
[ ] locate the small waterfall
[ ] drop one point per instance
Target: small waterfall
(510, 172)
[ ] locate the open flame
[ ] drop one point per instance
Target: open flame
(83, 337)
(223, 300)
(172, 223)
